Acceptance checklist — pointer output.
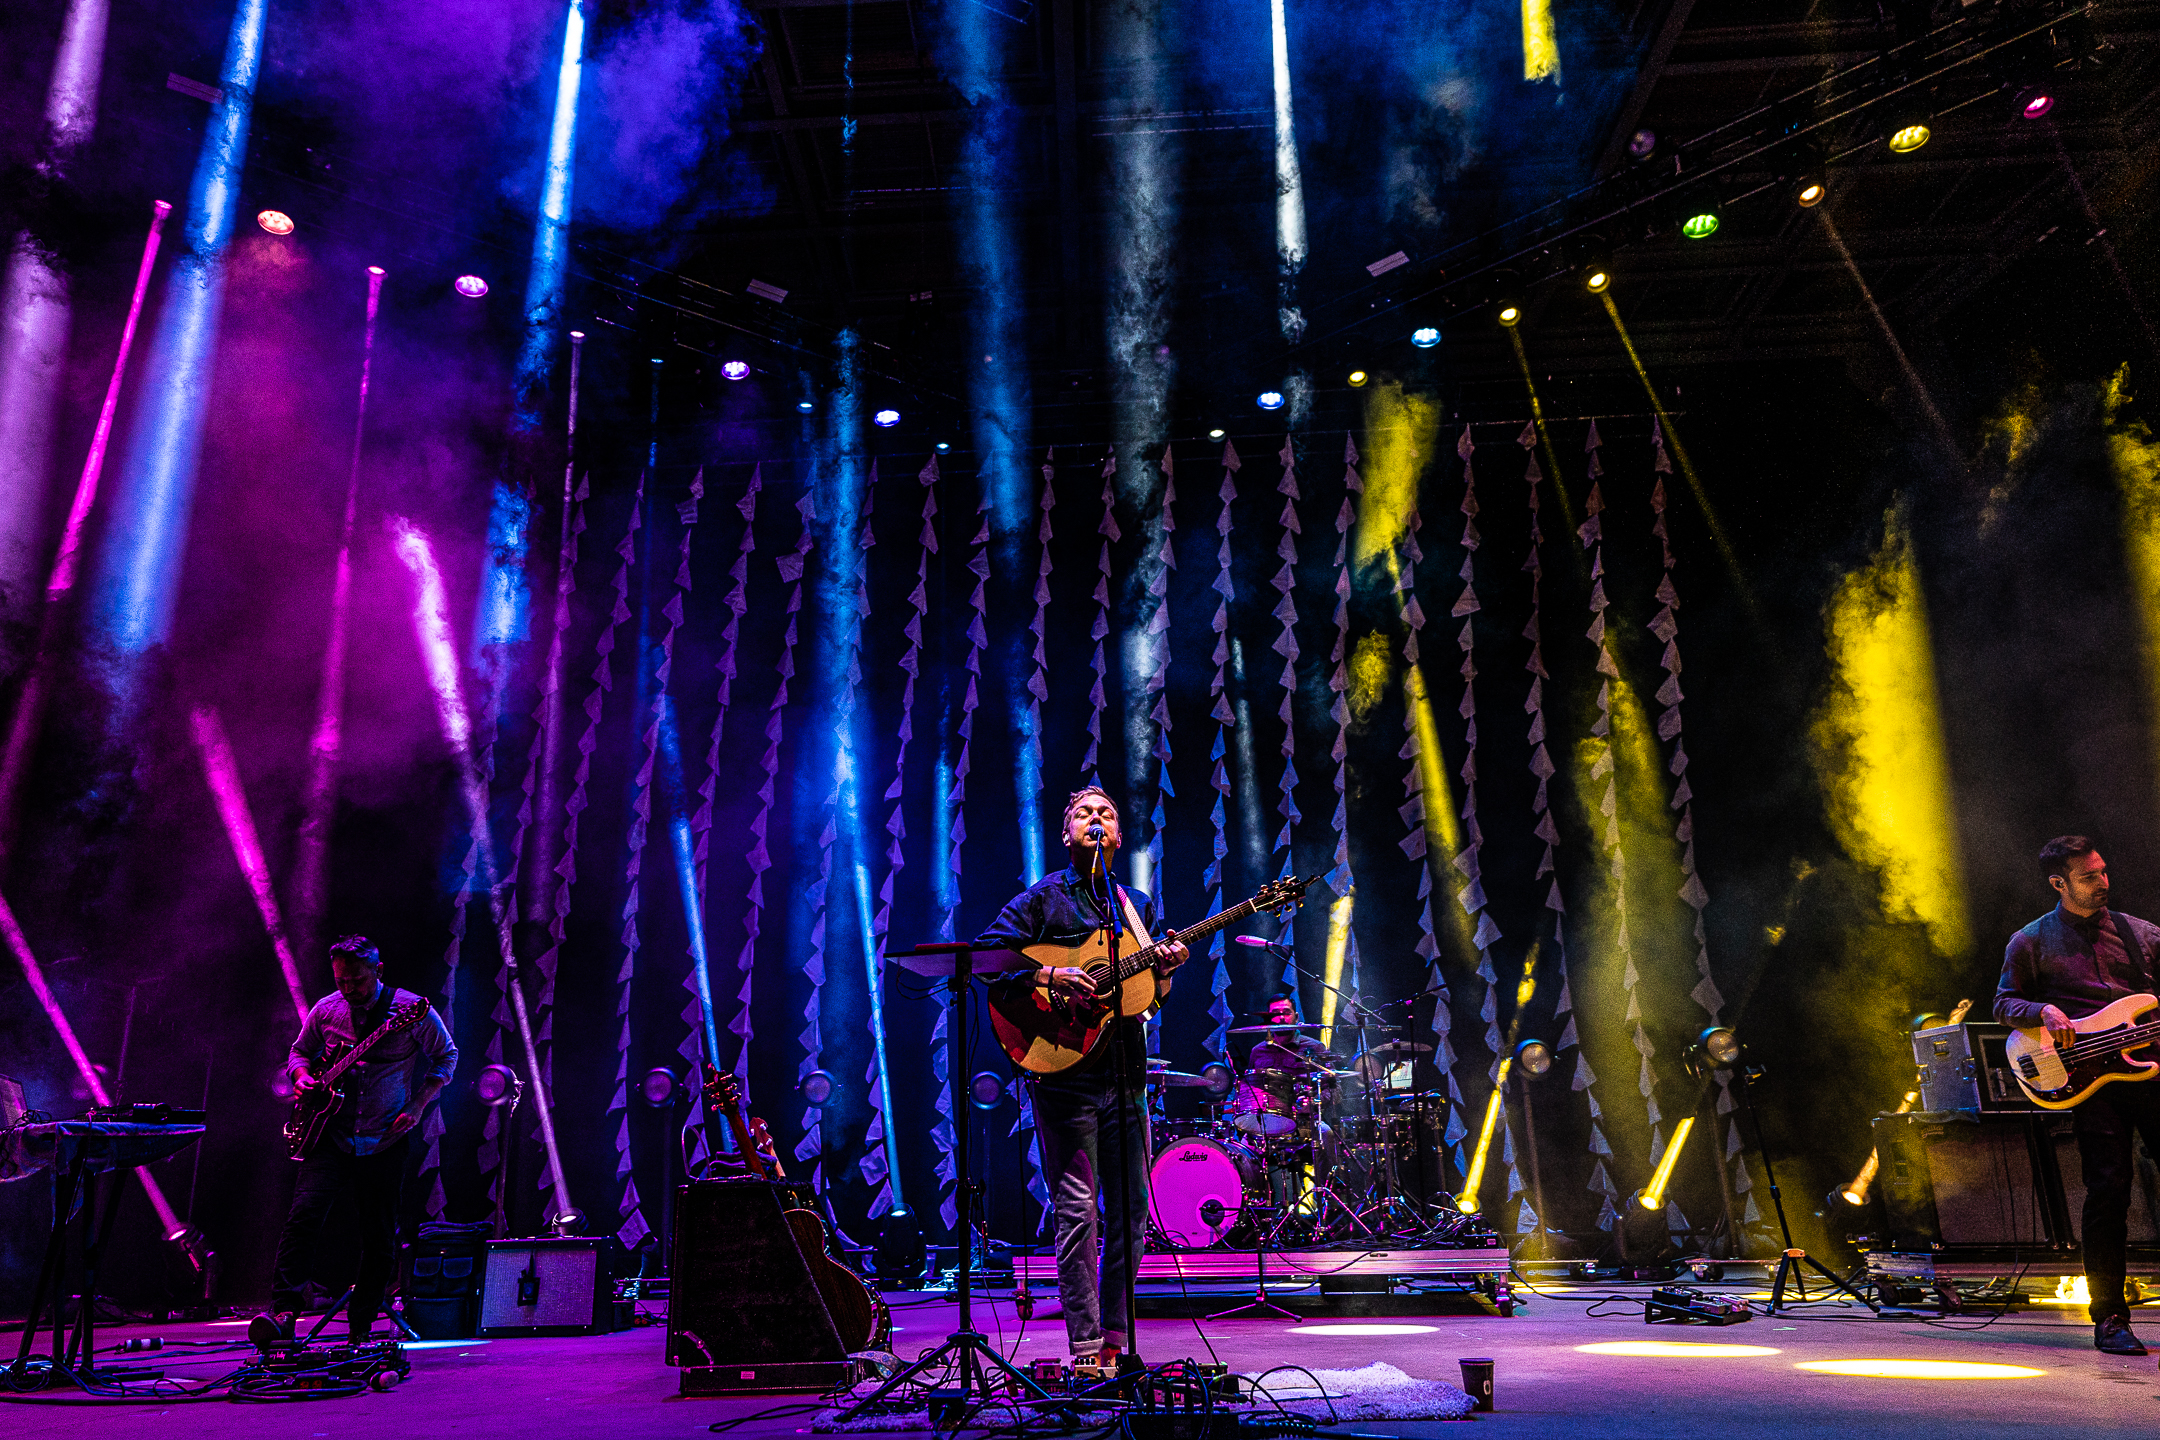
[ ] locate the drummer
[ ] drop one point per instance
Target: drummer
(1282, 1010)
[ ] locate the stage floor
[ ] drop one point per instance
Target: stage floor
(616, 1386)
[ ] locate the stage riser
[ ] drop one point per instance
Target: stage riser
(1293, 1266)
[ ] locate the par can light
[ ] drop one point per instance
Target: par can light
(885, 419)
(472, 287)
(806, 406)
(1701, 225)
(496, 1085)
(735, 370)
(1510, 314)
(2034, 102)
(1271, 400)
(1358, 378)
(660, 1088)
(1425, 337)
(277, 222)
(985, 1090)
(1533, 1057)
(1215, 434)
(817, 1088)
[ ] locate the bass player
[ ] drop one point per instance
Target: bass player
(2069, 963)
(362, 1159)
(1091, 1118)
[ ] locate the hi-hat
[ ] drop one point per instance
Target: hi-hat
(1398, 1050)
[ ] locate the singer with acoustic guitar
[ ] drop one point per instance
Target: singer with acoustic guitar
(2075, 984)
(1091, 1115)
(373, 1104)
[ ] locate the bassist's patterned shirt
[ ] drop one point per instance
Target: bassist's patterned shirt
(2080, 964)
(377, 1088)
(1062, 909)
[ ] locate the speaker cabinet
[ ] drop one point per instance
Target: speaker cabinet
(1975, 1180)
(741, 1294)
(442, 1289)
(549, 1287)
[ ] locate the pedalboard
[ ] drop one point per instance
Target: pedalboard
(1684, 1305)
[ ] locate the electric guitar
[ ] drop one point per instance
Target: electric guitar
(1044, 1032)
(858, 1314)
(313, 1109)
(2056, 1077)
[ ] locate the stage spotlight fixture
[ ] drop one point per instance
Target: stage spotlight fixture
(1510, 313)
(661, 1087)
(1218, 1077)
(2033, 102)
(1652, 1196)
(943, 447)
(472, 287)
(1809, 189)
(1642, 144)
(1701, 223)
(885, 419)
(1845, 1197)
(1215, 434)
(1358, 378)
(577, 334)
(1425, 337)
(1926, 1020)
(1270, 400)
(376, 270)
(569, 1221)
(735, 370)
(497, 1085)
(806, 405)
(1908, 129)
(1533, 1057)
(1720, 1045)
(277, 222)
(817, 1088)
(985, 1090)
(1597, 277)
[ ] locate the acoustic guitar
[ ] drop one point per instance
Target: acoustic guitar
(314, 1109)
(858, 1314)
(2056, 1077)
(1044, 1032)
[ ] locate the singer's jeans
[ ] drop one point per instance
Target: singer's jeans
(369, 1184)
(1077, 1121)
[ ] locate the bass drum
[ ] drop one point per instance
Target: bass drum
(1197, 1189)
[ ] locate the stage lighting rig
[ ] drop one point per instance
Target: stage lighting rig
(1425, 336)
(661, 1088)
(817, 1089)
(1507, 298)
(1907, 127)
(986, 1089)
(498, 1085)
(1716, 1048)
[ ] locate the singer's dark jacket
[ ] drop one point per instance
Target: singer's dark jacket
(1060, 909)
(2052, 962)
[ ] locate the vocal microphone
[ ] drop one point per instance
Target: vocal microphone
(1097, 834)
(1259, 944)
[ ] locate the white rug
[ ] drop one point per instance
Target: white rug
(1378, 1391)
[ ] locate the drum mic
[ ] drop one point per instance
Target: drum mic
(1259, 944)
(1211, 1213)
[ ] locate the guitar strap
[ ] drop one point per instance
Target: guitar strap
(2133, 946)
(1133, 927)
(378, 1014)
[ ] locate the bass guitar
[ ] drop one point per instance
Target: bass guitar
(1044, 1032)
(858, 1314)
(2056, 1077)
(314, 1109)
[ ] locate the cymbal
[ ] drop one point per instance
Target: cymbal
(1398, 1050)
(1177, 1080)
(1267, 1029)
(1158, 1062)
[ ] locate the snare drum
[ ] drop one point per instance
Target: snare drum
(1264, 1110)
(1197, 1189)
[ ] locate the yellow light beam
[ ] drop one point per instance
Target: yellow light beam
(1879, 744)
(1553, 472)
(1467, 1202)
(1679, 453)
(1338, 949)
(1653, 1195)
(1540, 50)
(2135, 457)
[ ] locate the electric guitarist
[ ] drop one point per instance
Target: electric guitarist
(1092, 1116)
(2068, 966)
(362, 1158)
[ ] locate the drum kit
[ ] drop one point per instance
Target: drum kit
(1300, 1146)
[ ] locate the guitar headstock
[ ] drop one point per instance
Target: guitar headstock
(720, 1087)
(404, 1017)
(1280, 897)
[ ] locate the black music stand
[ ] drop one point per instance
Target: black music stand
(967, 1349)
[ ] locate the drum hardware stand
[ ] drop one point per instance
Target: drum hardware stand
(973, 1358)
(1791, 1261)
(1260, 1307)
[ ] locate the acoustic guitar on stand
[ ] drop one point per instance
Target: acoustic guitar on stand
(313, 1109)
(1044, 1032)
(2056, 1077)
(859, 1316)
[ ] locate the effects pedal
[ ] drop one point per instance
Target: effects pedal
(1683, 1305)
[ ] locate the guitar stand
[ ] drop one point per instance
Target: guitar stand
(975, 1362)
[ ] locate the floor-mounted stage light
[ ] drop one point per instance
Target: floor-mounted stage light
(497, 1085)
(885, 419)
(735, 370)
(660, 1088)
(472, 287)
(277, 222)
(1357, 378)
(1425, 337)
(985, 1090)
(1533, 1057)
(817, 1088)
(1270, 400)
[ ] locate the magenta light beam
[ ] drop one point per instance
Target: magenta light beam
(438, 651)
(29, 709)
(313, 862)
(169, 1223)
(551, 716)
(223, 773)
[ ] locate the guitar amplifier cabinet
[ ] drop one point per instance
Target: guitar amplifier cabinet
(549, 1287)
(1962, 1067)
(1965, 1179)
(743, 1302)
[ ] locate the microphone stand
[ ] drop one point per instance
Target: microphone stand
(1114, 929)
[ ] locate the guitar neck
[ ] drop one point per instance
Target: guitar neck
(1143, 958)
(360, 1048)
